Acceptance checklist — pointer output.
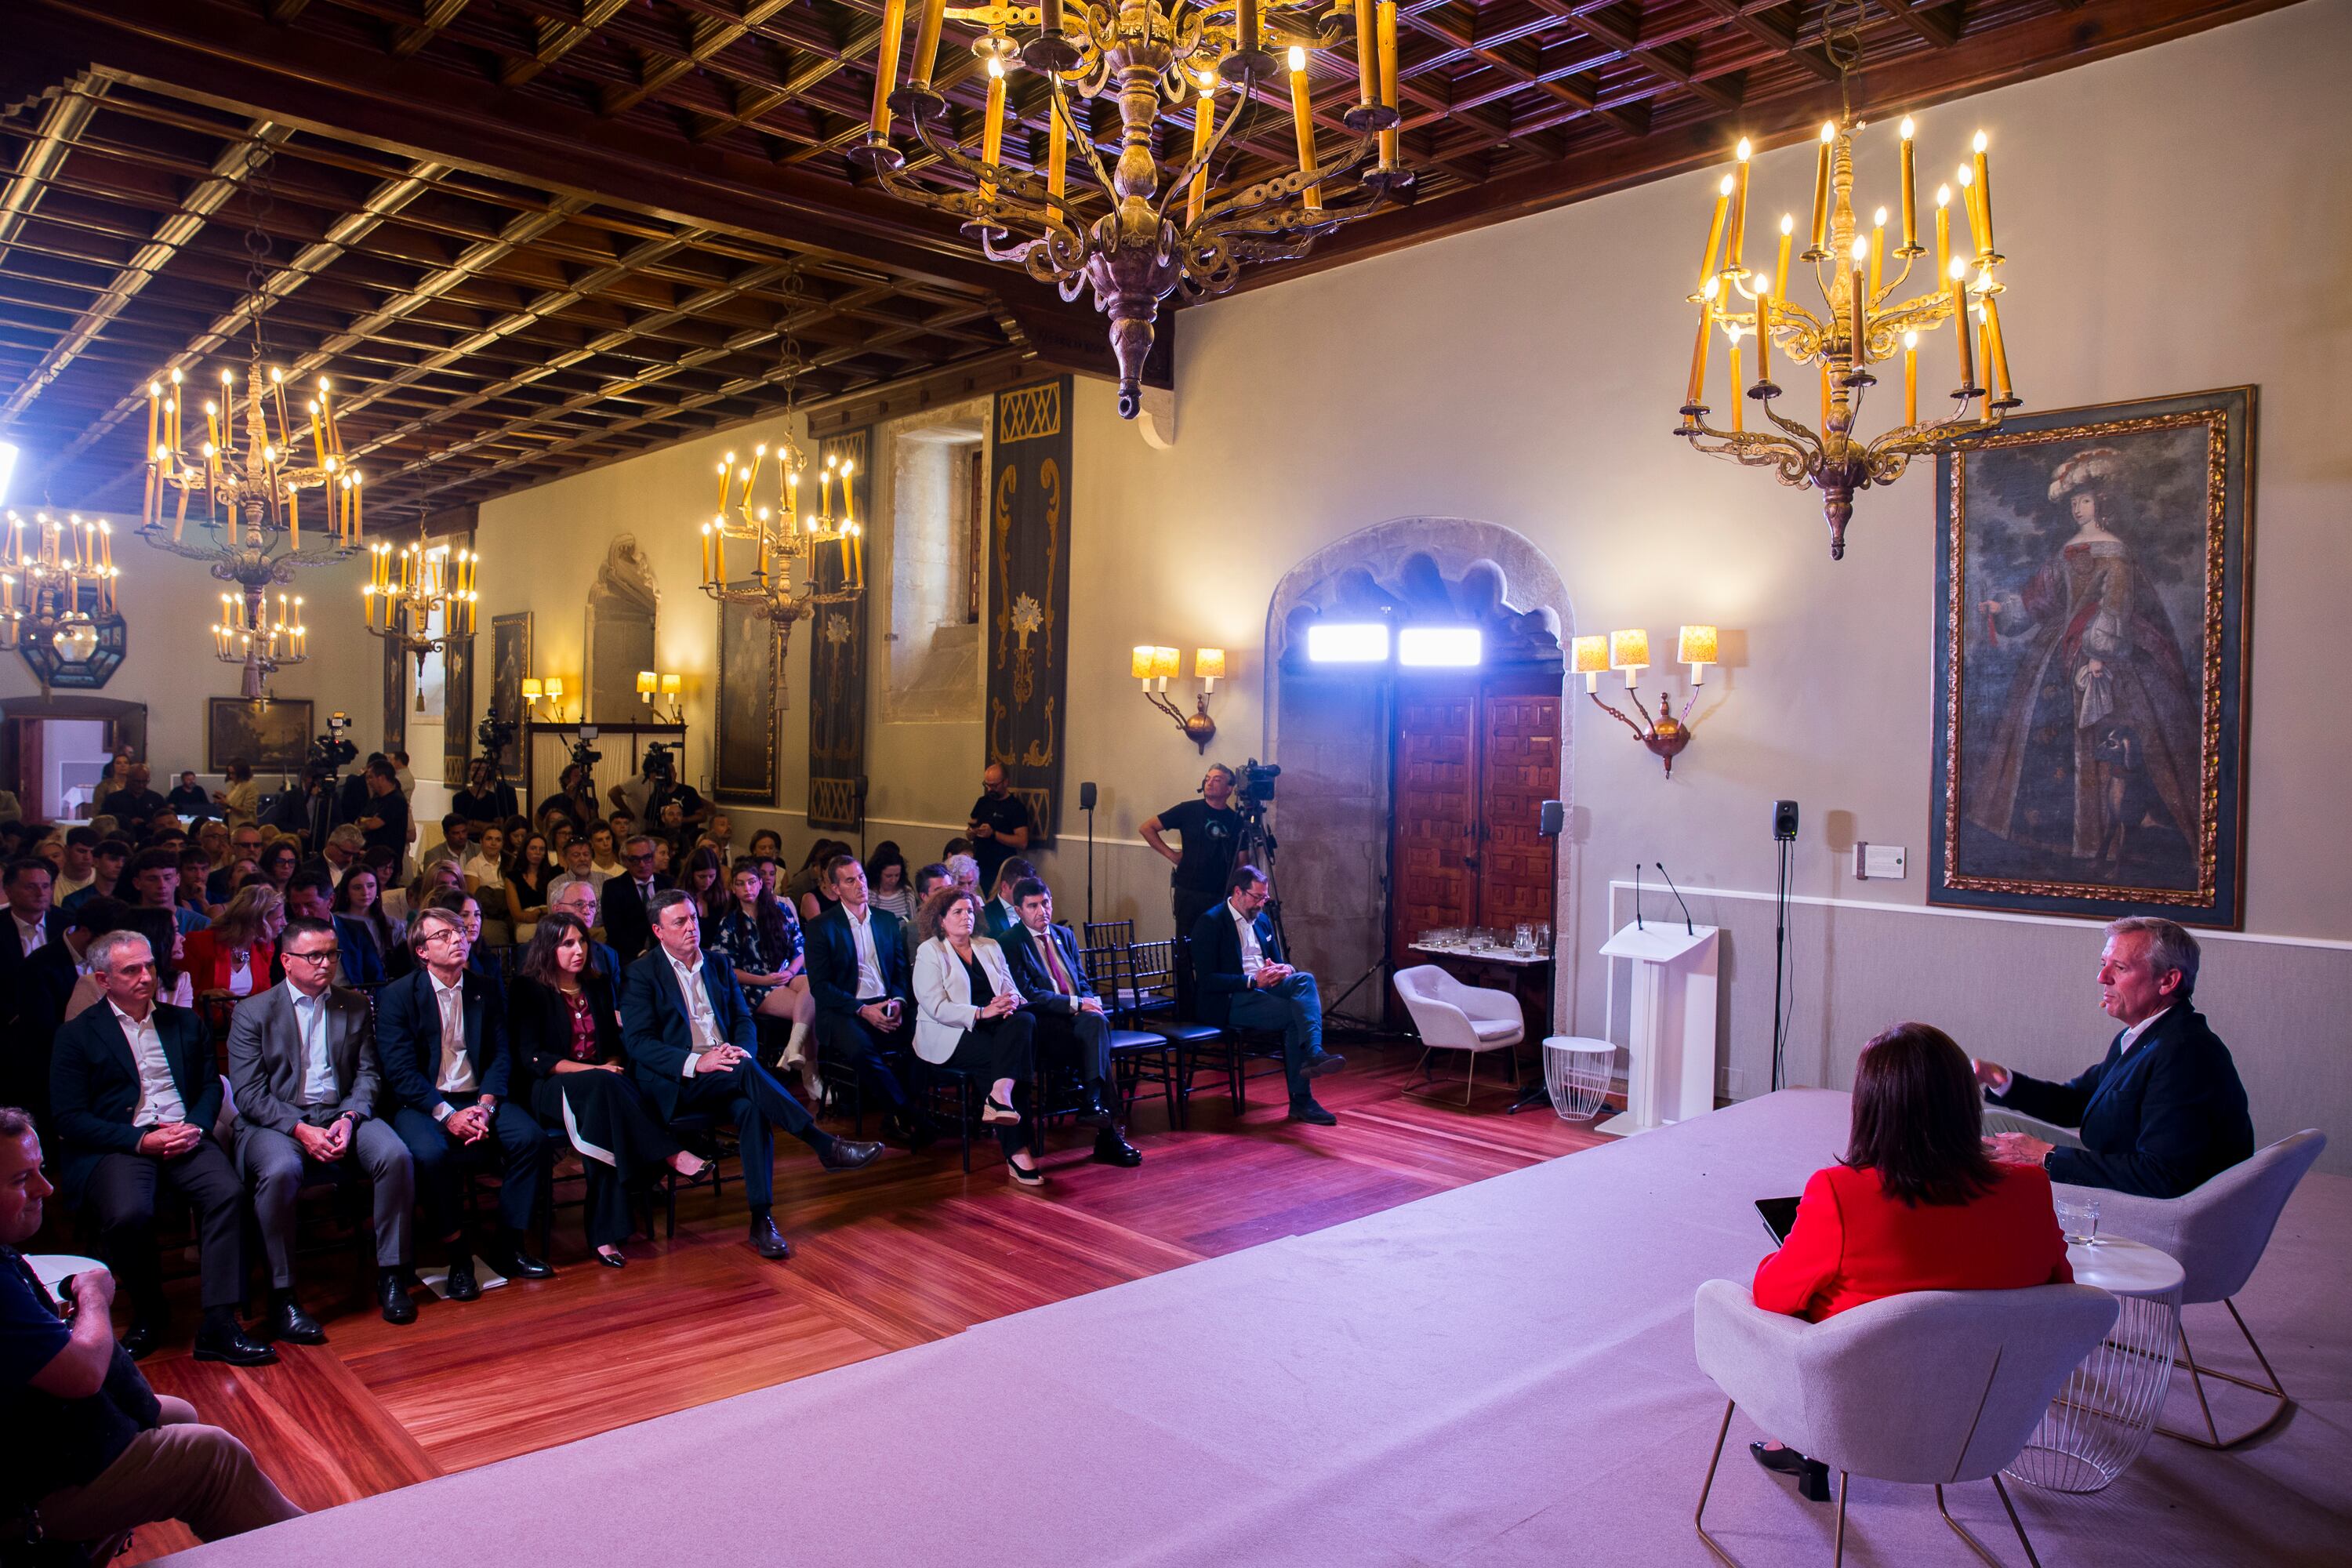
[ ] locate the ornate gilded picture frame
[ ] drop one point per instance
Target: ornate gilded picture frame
(2093, 573)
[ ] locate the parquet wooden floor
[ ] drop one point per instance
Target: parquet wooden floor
(907, 1250)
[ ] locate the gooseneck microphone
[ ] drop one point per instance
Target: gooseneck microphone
(1688, 929)
(1637, 898)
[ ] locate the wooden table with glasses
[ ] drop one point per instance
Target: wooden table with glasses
(2102, 1418)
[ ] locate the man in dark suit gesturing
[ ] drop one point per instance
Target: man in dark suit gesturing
(2163, 1110)
(135, 1095)
(629, 899)
(302, 1057)
(688, 1035)
(1044, 958)
(1239, 978)
(441, 1035)
(861, 975)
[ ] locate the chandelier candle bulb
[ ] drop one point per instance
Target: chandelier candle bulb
(1780, 267)
(1858, 312)
(1943, 229)
(1388, 40)
(927, 42)
(1967, 183)
(1960, 271)
(1302, 118)
(1714, 236)
(1821, 230)
(992, 138)
(885, 68)
(1910, 201)
(1368, 54)
(1739, 404)
(1999, 357)
(1698, 350)
(1204, 127)
(1878, 249)
(1732, 263)
(1910, 378)
(1057, 147)
(1984, 197)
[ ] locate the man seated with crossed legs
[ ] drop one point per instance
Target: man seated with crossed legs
(1071, 1023)
(1240, 978)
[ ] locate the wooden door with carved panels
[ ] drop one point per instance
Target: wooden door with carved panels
(1475, 759)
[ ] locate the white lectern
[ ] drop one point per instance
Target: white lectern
(1673, 1035)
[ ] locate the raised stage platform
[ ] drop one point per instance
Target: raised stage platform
(1499, 1375)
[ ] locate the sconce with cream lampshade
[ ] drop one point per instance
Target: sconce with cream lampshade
(1695, 647)
(1629, 650)
(1151, 662)
(1589, 657)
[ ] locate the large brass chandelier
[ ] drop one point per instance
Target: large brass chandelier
(244, 484)
(42, 582)
(406, 592)
(1151, 56)
(1865, 322)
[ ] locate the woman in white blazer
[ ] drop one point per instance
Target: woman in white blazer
(968, 1017)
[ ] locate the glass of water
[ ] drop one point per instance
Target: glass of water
(2078, 1220)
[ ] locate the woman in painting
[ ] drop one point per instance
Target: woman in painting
(2099, 733)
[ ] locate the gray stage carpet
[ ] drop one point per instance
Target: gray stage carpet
(1501, 1375)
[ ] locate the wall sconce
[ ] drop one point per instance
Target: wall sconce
(1150, 663)
(1629, 651)
(532, 691)
(554, 688)
(671, 686)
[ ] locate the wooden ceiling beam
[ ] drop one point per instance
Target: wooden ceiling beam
(63, 121)
(1777, 27)
(1938, 25)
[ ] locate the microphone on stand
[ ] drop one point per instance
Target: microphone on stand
(1688, 929)
(1637, 898)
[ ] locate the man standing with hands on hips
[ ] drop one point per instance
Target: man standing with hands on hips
(1211, 828)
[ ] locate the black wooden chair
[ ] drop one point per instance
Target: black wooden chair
(1139, 1055)
(1151, 970)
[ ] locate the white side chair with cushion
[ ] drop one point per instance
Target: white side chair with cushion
(2217, 1233)
(1451, 1016)
(1930, 1388)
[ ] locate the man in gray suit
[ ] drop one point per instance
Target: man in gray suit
(301, 1057)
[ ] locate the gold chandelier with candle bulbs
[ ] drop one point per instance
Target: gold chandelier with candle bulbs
(1865, 322)
(41, 584)
(407, 588)
(1152, 56)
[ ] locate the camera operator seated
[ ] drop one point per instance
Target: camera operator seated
(94, 1452)
(1239, 978)
(487, 798)
(656, 785)
(1044, 958)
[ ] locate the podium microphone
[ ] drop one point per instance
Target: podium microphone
(1688, 929)
(1637, 898)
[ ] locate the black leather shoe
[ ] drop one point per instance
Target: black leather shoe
(393, 1292)
(769, 1242)
(1812, 1476)
(516, 1264)
(290, 1322)
(1322, 1064)
(231, 1346)
(613, 1259)
(141, 1339)
(1313, 1115)
(844, 1155)
(461, 1285)
(916, 1132)
(1094, 1113)
(1110, 1149)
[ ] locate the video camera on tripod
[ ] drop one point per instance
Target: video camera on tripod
(494, 735)
(585, 756)
(1254, 787)
(331, 752)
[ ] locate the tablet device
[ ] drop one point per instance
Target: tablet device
(1780, 1216)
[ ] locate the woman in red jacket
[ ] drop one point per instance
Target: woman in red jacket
(1917, 1204)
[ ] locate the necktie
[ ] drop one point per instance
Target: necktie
(1054, 966)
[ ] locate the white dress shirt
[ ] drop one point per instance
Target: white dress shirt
(2132, 1035)
(33, 935)
(869, 961)
(457, 1067)
(701, 1020)
(318, 1062)
(159, 1096)
(1252, 956)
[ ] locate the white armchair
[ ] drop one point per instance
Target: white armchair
(1451, 1016)
(2217, 1233)
(1933, 1387)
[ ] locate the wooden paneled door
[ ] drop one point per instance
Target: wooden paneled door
(1475, 759)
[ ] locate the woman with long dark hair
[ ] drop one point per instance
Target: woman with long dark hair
(278, 862)
(361, 896)
(529, 871)
(1917, 1204)
(808, 891)
(762, 939)
(887, 880)
(566, 1028)
(705, 876)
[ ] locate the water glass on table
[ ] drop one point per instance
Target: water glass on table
(2078, 1221)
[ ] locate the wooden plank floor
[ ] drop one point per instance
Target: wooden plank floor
(907, 1250)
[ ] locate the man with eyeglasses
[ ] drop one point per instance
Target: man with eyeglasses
(243, 843)
(441, 1038)
(629, 898)
(301, 1057)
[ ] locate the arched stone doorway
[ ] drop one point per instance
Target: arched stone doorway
(1332, 811)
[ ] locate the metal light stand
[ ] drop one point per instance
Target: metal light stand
(1539, 1091)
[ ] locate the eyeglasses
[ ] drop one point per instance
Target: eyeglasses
(320, 955)
(646, 856)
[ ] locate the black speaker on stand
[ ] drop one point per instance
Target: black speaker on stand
(1551, 821)
(1087, 804)
(1784, 834)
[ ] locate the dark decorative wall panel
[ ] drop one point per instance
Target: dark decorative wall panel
(1029, 591)
(837, 659)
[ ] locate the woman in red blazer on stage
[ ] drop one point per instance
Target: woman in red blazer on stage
(1917, 1204)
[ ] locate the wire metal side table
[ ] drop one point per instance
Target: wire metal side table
(2102, 1417)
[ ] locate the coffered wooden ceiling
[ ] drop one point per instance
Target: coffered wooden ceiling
(531, 236)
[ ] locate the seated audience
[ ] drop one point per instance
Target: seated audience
(165, 941)
(487, 798)
(886, 877)
(1239, 978)
(968, 1017)
(963, 871)
(441, 1036)
(605, 853)
(579, 862)
(484, 873)
(238, 953)
(579, 901)
(859, 974)
(361, 900)
(810, 888)
(26, 886)
(136, 801)
(956, 846)
(929, 878)
(94, 1451)
(153, 882)
(1915, 1203)
(278, 862)
(196, 869)
(35, 981)
(564, 1026)
(628, 899)
(1072, 1024)
(243, 854)
(357, 960)
(690, 1039)
(343, 850)
(704, 877)
(767, 841)
(2163, 1110)
(190, 799)
(528, 877)
(109, 856)
(1001, 913)
(134, 1092)
(718, 832)
(78, 869)
(302, 1062)
(764, 946)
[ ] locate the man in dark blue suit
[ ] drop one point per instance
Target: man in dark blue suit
(134, 1093)
(441, 1039)
(1071, 1020)
(861, 975)
(1239, 977)
(37, 959)
(629, 898)
(690, 1039)
(2163, 1111)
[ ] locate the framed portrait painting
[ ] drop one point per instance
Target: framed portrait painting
(274, 736)
(509, 666)
(2093, 574)
(743, 755)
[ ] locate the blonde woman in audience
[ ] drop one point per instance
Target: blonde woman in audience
(233, 956)
(968, 1017)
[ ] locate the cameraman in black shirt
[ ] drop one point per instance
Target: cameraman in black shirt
(1001, 826)
(1212, 829)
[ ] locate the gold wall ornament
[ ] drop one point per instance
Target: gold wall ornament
(1150, 57)
(1865, 322)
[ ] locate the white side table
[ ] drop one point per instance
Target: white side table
(1578, 1071)
(2102, 1418)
